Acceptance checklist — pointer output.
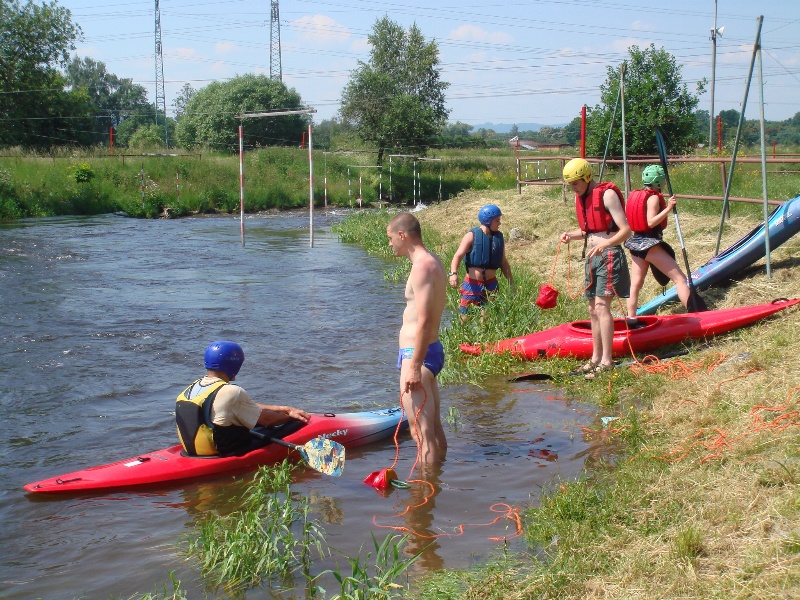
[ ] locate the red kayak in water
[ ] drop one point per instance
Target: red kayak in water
(170, 465)
(575, 339)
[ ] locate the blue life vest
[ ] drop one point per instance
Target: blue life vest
(487, 250)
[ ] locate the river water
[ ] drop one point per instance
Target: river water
(104, 321)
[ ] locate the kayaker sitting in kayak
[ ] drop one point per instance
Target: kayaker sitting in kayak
(214, 417)
(647, 213)
(602, 221)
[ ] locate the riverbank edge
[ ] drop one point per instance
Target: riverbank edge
(706, 502)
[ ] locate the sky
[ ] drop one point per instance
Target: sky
(506, 62)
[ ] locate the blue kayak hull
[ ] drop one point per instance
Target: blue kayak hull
(784, 222)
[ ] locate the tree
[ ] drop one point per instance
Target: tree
(34, 41)
(184, 96)
(654, 97)
(396, 100)
(209, 118)
(112, 100)
(572, 132)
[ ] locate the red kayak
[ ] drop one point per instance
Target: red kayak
(575, 339)
(171, 466)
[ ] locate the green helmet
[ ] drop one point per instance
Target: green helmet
(653, 175)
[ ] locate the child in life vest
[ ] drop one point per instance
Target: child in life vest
(647, 213)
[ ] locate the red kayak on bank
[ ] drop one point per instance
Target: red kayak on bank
(170, 465)
(575, 339)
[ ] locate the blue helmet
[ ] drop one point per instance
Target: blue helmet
(487, 213)
(224, 356)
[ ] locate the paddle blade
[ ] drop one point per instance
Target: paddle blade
(695, 303)
(323, 455)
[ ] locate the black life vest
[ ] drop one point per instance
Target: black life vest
(487, 250)
(593, 216)
(198, 435)
(636, 211)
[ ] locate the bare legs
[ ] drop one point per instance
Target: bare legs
(658, 257)
(602, 329)
(422, 406)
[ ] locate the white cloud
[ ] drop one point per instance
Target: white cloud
(320, 29)
(473, 33)
(224, 47)
(360, 45)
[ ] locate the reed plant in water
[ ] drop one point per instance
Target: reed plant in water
(377, 582)
(260, 542)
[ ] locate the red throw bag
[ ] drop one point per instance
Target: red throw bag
(381, 480)
(548, 296)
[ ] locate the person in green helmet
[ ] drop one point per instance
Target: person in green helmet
(647, 213)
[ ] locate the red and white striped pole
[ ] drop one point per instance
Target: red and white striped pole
(310, 188)
(241, 183)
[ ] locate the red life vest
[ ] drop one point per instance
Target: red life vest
(593, 216)
(636, 211)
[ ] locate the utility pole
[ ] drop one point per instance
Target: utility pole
(714, 33)
(161, 100)
(275, 71)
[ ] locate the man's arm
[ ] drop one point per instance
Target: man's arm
(505, 267)
(275, 415)
(464, 247)
(421, 280)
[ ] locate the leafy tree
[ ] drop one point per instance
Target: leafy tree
(34, 41)
(572, 132)
(209, 118)
(149, 136)
(396, 100)
(654, 97)
(111, 100)
(183, 98)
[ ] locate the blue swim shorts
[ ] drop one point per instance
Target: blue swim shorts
(434, 357)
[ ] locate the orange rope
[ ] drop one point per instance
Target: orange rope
(675, 369)
(506, 512)
(718, 443)
(510, 512)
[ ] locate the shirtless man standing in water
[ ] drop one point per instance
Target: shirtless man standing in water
(421, 356)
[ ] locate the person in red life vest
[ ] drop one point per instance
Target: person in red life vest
(604, 227)
(214, 416)
(647, 213)
(483, 251)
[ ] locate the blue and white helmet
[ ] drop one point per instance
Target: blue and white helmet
(224, 356)
(488, 213)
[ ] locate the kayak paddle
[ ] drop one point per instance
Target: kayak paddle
(321, 454)
(695, 303)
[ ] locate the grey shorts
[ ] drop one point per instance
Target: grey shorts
(607, 274)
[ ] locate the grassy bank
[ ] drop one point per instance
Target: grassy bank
(86, 183)
(706, 503)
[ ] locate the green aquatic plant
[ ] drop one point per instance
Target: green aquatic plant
(177, 592)
(388, 566)
(260, 542)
